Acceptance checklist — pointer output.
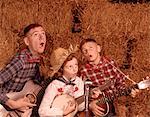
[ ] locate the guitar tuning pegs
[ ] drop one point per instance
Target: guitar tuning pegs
(146, 78)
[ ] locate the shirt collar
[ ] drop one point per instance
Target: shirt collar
(72, 79)
(89, 65)
(30, 57)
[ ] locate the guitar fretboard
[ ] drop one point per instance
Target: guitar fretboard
(110, 97)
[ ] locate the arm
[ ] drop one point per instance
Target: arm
(119, 76)
(120, 85)
(8, 73)
(20, 104)
(120, 81)
(80, 92)
(80, 84)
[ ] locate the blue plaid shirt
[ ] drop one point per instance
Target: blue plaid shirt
(14, 76)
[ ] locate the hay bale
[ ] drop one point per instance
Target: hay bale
(121, 29)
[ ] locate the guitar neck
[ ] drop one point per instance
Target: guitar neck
(107, 98)
(119, 93)
(80, 99)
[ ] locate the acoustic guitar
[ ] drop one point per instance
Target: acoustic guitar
(103, 99)
(29, 90)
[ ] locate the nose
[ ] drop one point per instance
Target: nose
(87, 52)
(75, 68)
(42, 37)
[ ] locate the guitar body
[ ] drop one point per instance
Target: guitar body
(83, 114)
(29, 90)
(90, 114)
(101, 102)
(61, 101)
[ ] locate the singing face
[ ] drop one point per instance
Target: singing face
(70, 69)
(90, 51)
(36, 40)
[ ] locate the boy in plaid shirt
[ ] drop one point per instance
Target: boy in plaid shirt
(22, 67)
(101, 70)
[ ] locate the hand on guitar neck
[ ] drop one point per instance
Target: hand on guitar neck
(100, 107)
(136, 91)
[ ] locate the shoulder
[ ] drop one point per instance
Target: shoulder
(20, 56)
(56, 82)
(53, 85)
(85, 66)
(79, 81)
(15, 61)
(78, 78)
(108, 59)
(23, 55)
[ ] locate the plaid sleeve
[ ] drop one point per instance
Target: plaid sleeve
(8, 72)
(3, 98)
(120, 81)
(120, 77)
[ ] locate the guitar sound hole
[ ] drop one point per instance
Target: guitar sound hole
(31, 98)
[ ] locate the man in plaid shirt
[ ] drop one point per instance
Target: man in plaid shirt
(22, 67)
(100, 71)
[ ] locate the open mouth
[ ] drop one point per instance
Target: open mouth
(90, 56)
(41, 44)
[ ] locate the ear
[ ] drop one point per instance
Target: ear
(99, 48)
(26, 41)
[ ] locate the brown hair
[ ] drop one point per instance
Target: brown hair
(29, 27)
(85, 41)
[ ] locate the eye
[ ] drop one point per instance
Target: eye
(35, 34)
(76, 65)
(84, 51)
(43, 33)
(70, 66)
(91, 47)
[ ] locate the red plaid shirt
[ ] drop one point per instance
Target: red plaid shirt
(103, 72)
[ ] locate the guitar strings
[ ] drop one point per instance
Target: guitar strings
(122, 73)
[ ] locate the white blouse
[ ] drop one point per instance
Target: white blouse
(56, 88)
